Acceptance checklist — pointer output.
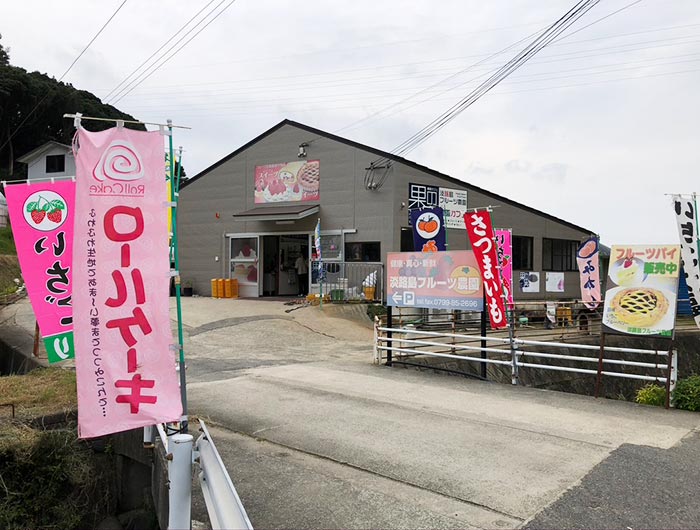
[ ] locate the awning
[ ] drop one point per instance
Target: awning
(277, 213)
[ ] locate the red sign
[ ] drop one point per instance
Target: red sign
(480, 232)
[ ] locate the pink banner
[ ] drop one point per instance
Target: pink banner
(125, 367)
(42, 222)
(587, 259)
(287, 182)
(480, 232)
(504, 239)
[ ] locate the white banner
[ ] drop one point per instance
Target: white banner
(688, 232)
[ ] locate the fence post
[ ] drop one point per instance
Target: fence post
(389, 324)
(377, 355)
(674, 370)
(180, 478)
(669, 369)
(483, 339)
(514, 376)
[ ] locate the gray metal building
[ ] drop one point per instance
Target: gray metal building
(252, 213)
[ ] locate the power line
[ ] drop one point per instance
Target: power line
(155, 67)
(46, 95)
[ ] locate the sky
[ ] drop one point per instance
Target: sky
(596, 129)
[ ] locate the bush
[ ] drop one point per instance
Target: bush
(686, 396)
(651, 394)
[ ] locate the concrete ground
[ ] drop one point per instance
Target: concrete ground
(316, 436)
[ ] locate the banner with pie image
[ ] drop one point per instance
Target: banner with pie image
(287, 182)
(640, 297)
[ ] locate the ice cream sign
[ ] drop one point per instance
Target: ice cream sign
(287, 182)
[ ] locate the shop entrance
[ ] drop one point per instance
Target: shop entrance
(279, 254)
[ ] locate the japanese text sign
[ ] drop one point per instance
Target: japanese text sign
(124, 364)
(441, 280)
(287, 182)
(688, 232)
(428, 230)
(589, 269)
(454, 205)
(480, 233)
(640, 297)
(504, 239)
(42, 222)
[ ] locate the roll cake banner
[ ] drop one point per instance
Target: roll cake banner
(641, 291)
(42, 214)
(428, 230)
(481, 237)
(125, 366)
(688, 232)
(589, 270)
(504, 239)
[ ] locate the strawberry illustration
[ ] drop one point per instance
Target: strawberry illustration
(55, 216)
(38, 216)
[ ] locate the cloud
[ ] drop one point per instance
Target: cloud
(554, 172)
(517, 166)
(478, 169)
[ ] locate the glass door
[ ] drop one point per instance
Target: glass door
(244, 252)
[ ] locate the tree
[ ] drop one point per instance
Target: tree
(4, 56)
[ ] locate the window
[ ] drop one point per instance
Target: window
(244, 260)
(370, 251)
(522, 253)
(559, 254)
(55, 163)
(406, 239)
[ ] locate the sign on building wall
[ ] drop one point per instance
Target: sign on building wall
(42, 215)
(125, 365)
(640, 298)
(529, 282)
(441, 280)
(454, 205)
(287, 182)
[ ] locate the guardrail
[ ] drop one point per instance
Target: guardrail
(394, 345)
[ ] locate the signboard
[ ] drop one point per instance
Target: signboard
(504, 240)
(420, 197)
(125, 366)
(589, 269)
(42, 223)
(480, 233)
(428, 230)
(454, 205)
(640, 298)
(554, 282)
(688, 232)
(440, 280)
(529, 282)
(287, 182)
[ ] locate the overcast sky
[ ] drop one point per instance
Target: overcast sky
(596, 129)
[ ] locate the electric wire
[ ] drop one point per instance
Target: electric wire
(46, 95)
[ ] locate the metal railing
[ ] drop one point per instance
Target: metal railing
(348, 281)
(397, 344)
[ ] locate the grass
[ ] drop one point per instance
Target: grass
(7, 242)
(39, 392)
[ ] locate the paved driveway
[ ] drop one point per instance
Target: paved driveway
(315, 436)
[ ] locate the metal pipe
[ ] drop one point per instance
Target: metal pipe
(446, 355)
(588, 359)
(436, 334)
(180, 477)
(456, 346)
(592, 372)
(389, 332)
(587, 347)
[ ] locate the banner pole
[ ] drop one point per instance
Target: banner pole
(697, 236)
(174, 196)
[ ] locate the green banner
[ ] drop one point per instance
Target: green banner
(59, 347)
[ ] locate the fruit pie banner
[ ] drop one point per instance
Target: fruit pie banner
(589, 269)
(481, 237)
(688, 232)
(124, 364)
(42, 223)
(428, 230)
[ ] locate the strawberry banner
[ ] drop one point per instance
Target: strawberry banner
(125, 366)
(41, 215)
(480, 232)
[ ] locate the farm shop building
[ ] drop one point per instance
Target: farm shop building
(252, 214)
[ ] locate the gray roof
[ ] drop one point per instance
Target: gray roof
(31, 155)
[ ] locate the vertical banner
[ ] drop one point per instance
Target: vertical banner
(504, 239)
(428, 230)
(688, 232)
(480, 232)
(124, 364)
(589, 269)
(42, 217)
(640, 297)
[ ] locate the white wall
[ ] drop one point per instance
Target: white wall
(37, 168)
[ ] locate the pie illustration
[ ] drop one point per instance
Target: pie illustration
(308, 177)
(640, 306)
